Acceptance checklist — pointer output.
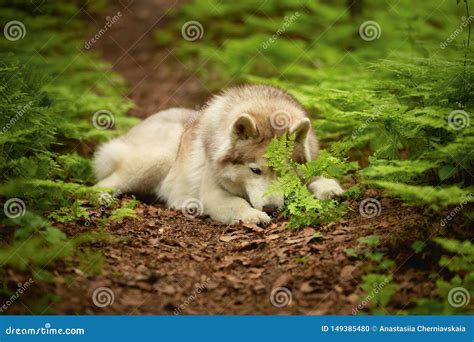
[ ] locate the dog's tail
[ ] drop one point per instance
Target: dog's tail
(107, 158)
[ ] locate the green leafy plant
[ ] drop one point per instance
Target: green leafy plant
(379, 290)
(418, 246)
(302, 207)
(456, 292)
(378, 287)
(50, 91)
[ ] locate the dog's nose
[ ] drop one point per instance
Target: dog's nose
(271, 210)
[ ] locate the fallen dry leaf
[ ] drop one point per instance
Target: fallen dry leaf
(346, 272)
(281, 281)
(272, 236)
(227, 238)
(306, 287)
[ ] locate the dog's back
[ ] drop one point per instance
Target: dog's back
(141, 159)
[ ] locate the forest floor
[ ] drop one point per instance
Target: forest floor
(166, 263)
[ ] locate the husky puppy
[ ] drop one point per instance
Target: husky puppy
(212, 161)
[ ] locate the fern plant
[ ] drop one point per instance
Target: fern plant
(302, 207)
(456, 292)
(49, 91)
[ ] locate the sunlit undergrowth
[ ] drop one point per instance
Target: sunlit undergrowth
(50, 89)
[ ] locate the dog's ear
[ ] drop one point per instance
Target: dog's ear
(301, 130)
(301, 153)
(244, 128)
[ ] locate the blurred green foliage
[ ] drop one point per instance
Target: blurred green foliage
(50, 89)
(459, 289)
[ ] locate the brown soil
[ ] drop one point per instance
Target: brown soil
(166, 263)
(170, 264)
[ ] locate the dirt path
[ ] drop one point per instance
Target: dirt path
(167, 263)
(156, 77)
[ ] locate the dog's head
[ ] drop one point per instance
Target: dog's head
(243, 168)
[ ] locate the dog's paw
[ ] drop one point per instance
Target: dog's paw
(253, 216)
(325, 188)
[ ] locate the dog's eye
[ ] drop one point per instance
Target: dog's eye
(256, 171)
